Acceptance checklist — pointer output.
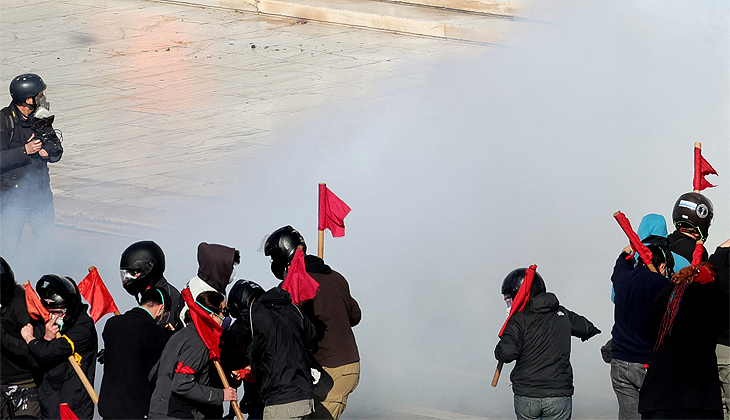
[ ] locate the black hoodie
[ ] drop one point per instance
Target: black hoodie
(538, 337)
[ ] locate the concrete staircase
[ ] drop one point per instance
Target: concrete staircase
(482, 21)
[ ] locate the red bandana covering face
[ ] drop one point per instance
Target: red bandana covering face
(522, 297)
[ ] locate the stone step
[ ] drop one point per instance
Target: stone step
(429, 17)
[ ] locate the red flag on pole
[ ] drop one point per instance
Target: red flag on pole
(33, 302)
(634, 240)
(702, 168)
(522, 297)
(332, 212)
(298, 282)
(66, 413)
(207, 328)
(697, 253)
(94, 290)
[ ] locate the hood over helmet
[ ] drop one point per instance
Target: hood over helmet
(215, 265)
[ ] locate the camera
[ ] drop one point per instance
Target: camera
(42, 127)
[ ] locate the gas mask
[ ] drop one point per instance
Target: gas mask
(508, 302)
(42, 102)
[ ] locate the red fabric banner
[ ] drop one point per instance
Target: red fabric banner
(94, 290)
(208, 330)
(332, 212)
(33, 302)
(66, 413)
(697, 253)
(300, 285)
(522, 297)
(702, 168)
(634, 240)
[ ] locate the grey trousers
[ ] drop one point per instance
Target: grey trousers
(626, 379)
(293, 410)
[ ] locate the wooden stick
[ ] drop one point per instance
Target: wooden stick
(497, 372)
(84, 380)
(320, 244)
(698, 145)
(224, 380)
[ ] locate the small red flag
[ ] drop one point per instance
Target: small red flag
(702, 168)
(33, 302)
(332, 212)
(697, 253)
(66, 413)
(94, 290)
(208, 330)
(522, 297)
(298, 282)
(634, 240)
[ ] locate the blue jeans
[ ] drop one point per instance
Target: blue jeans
(549, 408)
(626, 379)
(42, 222)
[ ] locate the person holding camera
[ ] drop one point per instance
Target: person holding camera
(27, 143)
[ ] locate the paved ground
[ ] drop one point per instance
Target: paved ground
(152, 97)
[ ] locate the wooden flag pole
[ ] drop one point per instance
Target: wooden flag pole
(320, 244)
(84, 380)
(698, 145)
(115, 312)
(224, 380)
(320, 237)
(497, 372)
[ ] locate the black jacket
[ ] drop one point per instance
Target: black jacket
(683, 370)
(684, 246)
(133, 343)
(182, 378)
(334, 312)
(60, 383)
(635, 290)
(25, 176)
(721, 260)
(538, 337)
(14, 364)
(282, 340)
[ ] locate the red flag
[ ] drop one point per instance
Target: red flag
(298, 282)
(634, 240)
(66, 413)
(697, 253)
(702, 168)
(33, 302)
(207, 329)
(94, 290)
(332, 212)
(522, 297)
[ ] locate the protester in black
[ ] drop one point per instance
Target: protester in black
(16, 379)
(686, 320)
(49, 356)
(133, 343)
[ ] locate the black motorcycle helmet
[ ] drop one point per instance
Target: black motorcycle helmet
(7, 282)
(513, 281)
(280, 247)
(26, 86)
(242, 295)
(58, 292)
(142, 264)
(693, 211)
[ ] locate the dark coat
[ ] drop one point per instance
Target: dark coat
(60, 383)
(682, 372)
(538, 337)
(25, 176)
(281, 343)
(635, 290)
(133, 343)
(721, 260)
(334, 312)
(182, 378)
(14, 364)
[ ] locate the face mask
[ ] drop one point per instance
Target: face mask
(42, 102)
(508, 301)
(233, 276)
(227, 322)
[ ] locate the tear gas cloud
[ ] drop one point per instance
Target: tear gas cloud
(494, 162)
